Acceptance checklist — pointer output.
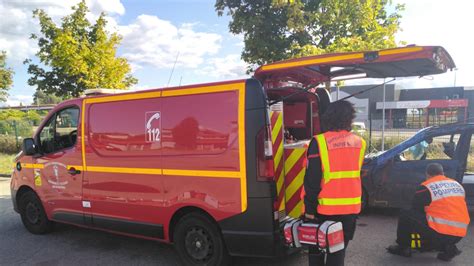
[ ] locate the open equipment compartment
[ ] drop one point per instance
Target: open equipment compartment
(295, 83)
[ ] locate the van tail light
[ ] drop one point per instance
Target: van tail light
(265, 155)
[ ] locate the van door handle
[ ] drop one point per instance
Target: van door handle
(73, 171)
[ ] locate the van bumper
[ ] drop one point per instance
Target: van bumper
(254, 233)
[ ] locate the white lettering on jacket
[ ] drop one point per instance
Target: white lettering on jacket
(445, 188)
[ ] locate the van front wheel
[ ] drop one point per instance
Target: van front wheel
(33, 215)
(198, 241)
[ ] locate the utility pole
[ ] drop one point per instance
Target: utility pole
(383, 117)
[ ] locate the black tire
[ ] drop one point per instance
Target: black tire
(33, 215)
(198, 241)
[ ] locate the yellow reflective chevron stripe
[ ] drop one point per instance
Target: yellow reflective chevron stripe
(276, 119)
(296, 211)
(291, 160)
(277, 127)
(339, 201)
(279, 155)
(295, 184)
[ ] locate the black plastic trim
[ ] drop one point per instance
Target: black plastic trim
(112, 224)
(130, 227)
(69, 217)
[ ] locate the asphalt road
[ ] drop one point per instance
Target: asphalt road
(69, 245)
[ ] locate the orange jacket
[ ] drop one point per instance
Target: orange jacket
(447, 213)
(342, 155)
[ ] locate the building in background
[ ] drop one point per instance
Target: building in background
(410, 108)
(365, 103)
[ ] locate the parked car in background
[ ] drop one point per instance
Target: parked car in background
(359, 127)
(391, 178)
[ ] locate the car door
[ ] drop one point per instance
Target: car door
(468, 178)
(60, 165)
(403, 174)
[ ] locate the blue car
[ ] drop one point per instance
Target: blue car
(390, 178)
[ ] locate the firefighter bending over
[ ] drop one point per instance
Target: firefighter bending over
(332, 186)
(438, 215)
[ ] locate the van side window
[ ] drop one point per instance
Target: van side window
(47, 136)
(61, 131)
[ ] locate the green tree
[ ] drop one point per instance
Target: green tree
(277, 29)
(40, 97)
(78, 55)
(6, 77)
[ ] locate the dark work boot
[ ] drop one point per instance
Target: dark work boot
(450, 251)
(399, 250)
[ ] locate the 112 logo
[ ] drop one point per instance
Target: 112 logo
(153, 126)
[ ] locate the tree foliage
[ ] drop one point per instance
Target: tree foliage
(40, 97)
(78, 55)
(6, 77)
(280, 29)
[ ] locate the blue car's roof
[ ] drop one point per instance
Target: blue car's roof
(421, 135)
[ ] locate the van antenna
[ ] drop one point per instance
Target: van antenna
(172, 70)
(180, 79)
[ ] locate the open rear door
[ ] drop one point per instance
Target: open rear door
(298, 120)
(398, 62)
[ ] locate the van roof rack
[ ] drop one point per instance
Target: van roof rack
(95, 92)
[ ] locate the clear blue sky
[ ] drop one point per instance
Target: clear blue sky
(155, 32)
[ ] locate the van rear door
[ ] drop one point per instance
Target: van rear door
(398, 62)
(290, 81)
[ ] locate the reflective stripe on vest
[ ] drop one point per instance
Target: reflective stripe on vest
(447, 213)
(340, 201)
(446, 222)
(341, 174)
(331, 199)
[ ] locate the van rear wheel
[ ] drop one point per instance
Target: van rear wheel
(198, 241)
(32, 214)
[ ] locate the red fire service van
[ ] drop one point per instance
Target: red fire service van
(213, 168)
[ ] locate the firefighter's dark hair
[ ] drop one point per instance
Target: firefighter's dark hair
(338, 116)
(434, 169)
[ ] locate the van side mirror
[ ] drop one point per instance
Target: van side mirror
(29, 147)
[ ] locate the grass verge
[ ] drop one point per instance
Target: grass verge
(6, 162)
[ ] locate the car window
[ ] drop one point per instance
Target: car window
(470, 157)
(61, 131)
(437, 148)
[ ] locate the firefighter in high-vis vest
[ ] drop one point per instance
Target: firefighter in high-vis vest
(332, 187)
(438, 217)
